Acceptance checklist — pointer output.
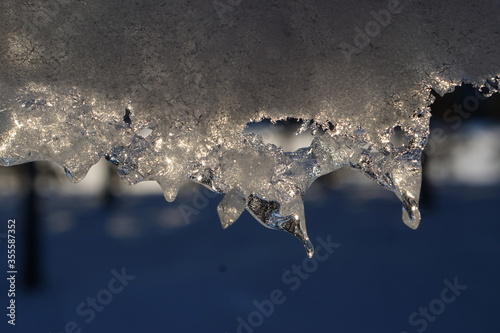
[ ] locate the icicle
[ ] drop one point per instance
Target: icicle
(231, 207)
(90, 87)
(268, 213)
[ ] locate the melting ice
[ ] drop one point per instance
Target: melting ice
(164, 90)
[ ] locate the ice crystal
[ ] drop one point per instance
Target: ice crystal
(84, 79)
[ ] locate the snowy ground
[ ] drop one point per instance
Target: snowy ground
(199, 278)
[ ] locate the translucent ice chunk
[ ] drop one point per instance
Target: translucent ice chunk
(231, 207)
(84, 79)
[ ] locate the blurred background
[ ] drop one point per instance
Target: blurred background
(186, 274)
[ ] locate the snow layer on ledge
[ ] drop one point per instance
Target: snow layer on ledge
(81, 80)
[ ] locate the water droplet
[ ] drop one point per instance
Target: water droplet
(411, 214)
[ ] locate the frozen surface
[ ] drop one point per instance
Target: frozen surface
(165, 90)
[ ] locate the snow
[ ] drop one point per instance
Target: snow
(165, 90)
(476, 161)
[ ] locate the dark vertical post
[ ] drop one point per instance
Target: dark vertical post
(32, 278)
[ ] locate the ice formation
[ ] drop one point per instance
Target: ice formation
(84, 79)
